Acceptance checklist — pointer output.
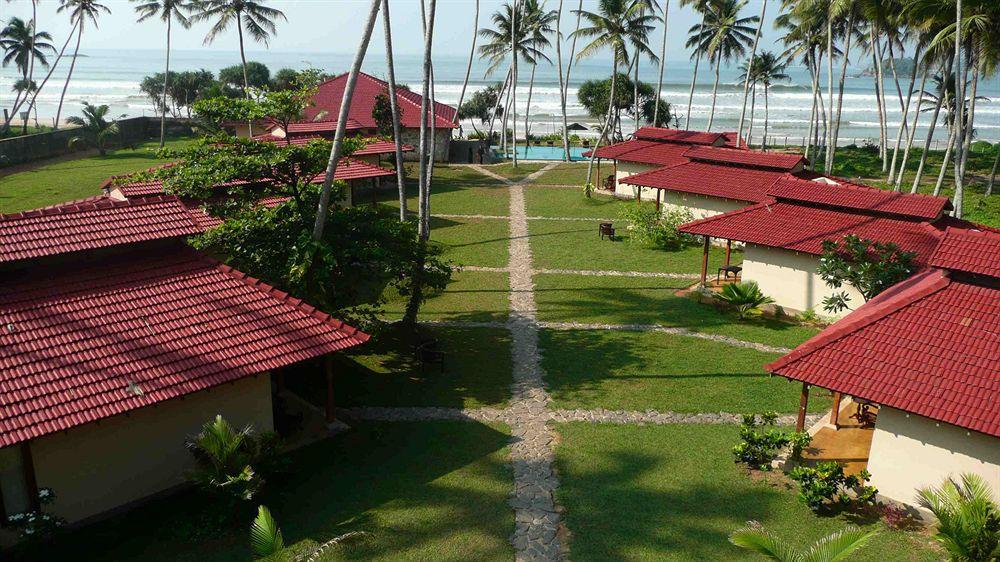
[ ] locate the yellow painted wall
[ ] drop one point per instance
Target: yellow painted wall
(699, 205)
(914, 452)
(100, 466)
(626, 169)
(790, 278)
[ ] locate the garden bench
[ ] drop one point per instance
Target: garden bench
(429, 352)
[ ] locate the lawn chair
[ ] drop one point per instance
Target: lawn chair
(606, 229)
(428, 352)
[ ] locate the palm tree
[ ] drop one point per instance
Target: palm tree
(839, 9)
(168, 11)
(803, 39)
(22, 44)
(702, 7)
(766, 69)
(95, 125)
(968, 526)
(564, 86)
(960, 117)
(397, 137)
(79, 12)
(835, 546)
(337, 150)
(614, 25)
(472, 52)
(45, 81)
(257, 18)
(746, 84)
(643, 6)
(725, 36)
(663, 55)
(537, 23)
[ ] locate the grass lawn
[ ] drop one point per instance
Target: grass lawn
(523, 170)
(548, 201)
(428, 490)
(472, 296)
(76, 179)
(473, 241)
(576, 245)
(455, 190)
(640, 371)
(628, 300)
(385, 372)
(567, 173)
(673, 493)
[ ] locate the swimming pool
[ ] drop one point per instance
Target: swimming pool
(546, 152)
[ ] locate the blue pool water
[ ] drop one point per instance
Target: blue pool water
(547, 152)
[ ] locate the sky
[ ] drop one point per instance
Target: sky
(332, 26)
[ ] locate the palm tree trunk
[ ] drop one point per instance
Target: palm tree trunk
(913, 129)
(48, 75)
(72, 65)
(840, 93)
(993, 175)
(827, 161)
(715, 89)
(31, 61)
(753, 111)
(902, 121)
(562, 83)
(607, 118)
(432, 149)
(952, 138)
(472, 55)
(338, 138)
(513, 88)
(959, 113)
(166, 78)
(813, 82)
(763, 145)
(663, 56)
(564, 86)
(694, 76)
(243, 58)
(635, 89)
(527, 106)
(878, 89)
(397, 136)
(746, 83)
(496, 107)
(945, 70)
(970, 120)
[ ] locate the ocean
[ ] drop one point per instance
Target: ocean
(112, 77)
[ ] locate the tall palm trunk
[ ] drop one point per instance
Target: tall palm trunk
(715, 90)
(952, 140)
(496, 110)
(243, 57)
(472, 55)
(432, 148)
(72, 65)
(746, 84)
(946, 68)
(527, 106)
(31, 60)
(513, 87)
(878, 90)
(564, 86)
(607, 118)
(959, 113)
(166, 78)
(48, 75)
(970, 120)
(814, 83)
(897, 186)
(763, 145)
(828, 138)
(993, 175)
(840, 94)
(753, 112)
(694, 76)
(902, 121)
(397, 136)
(338, 138)
(663, 57)
(635, 88)
(562, 83)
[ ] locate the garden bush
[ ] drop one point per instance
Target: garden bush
(744, 297)
(37, 525)
(826, 485)
(648, 227)
(760, 441)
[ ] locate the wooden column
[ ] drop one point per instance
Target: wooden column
(835, 413)
(600, 180)
(800, 422)
(729, 250)
(659, 192)
(30, 483)
(328, 368)
(704, 261)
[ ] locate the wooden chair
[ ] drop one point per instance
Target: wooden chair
(428, 352)
(609, 183)
(606, 229)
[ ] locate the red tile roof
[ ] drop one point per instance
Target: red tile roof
(854, 196)
(928, 345)
(644, 152)
(713, 180)
(330, 93)
(380, 147)
(328, 126)
(91, 225)
(294, 139)
(803, 228)
(81, 344)
(679, 136)
(971, 251)
(753, 158)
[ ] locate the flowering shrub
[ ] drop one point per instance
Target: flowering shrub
(37, 524)
(828, 485)
(648, 227)
(760, 441)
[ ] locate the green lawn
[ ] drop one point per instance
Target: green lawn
(480, 242)
(386, 371)
(567, 173)
(75, 179)
(577, 245)
(523, 170)
(636, 300)
(475, 296)
(640, 371)
(455, 190)
(673, 493)
(428, 490)
(548, 201)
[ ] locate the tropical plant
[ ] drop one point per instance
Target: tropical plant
(95, 125)
(724, 36)
(22, 45)
(834, 547)
(481, 105)
(265, 535)
(745, 297)
(168, 11)
(827, 485)
(235, 78)
(37, 525)
(765, 69)
(968, 525)
(254, 15)
(538, 24)
(868, 266)
(382, 113)
(760, 441)
(229, 460)
(79, 12)
(593, 95)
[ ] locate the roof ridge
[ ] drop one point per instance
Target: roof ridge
(704, 220)
(81, 207)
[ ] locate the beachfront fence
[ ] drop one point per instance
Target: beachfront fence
(39, 146)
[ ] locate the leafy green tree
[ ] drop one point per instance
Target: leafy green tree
(968, 526)
(291, 79)
(593, 96)
(482, 105)
(868, 266)
(257, 76)
(744, 297)
(382, 114)
(95, 125)
(831, 548)
(191, 86)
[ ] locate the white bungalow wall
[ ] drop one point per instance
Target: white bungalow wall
(910, 452)
(791, 279)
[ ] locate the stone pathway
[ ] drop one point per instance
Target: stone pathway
(585, 272)
(666, 330)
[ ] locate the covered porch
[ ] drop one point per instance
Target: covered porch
(726, 274)
(844, 436)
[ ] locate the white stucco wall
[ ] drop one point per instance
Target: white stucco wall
(626, 169)
(699, 205)
(914, 452)
(790, 278)
(103, 465)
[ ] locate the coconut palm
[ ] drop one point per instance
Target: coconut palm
(702, 7)
(835, 546)
(766, 69)
(397, 137)
(614, 25)
(22, 44)
(538, 24)
(746, 84)
(35, 90)
(803, 39)
(643, 6)
(663, 59)
(95, 125)
(168, 11)
(968, 526)
(472, 52)
(842, 15)
(725, 36)
(79, 12)
(254, 15)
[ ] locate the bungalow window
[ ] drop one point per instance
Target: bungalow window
(13, 486)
